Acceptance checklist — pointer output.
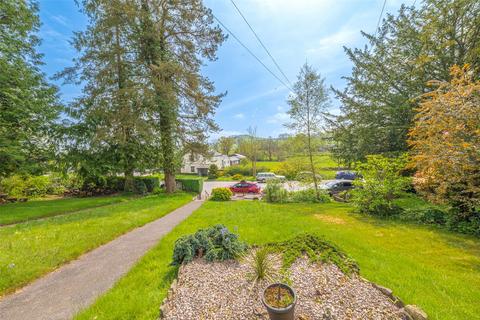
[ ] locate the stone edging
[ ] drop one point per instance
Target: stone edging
(410, 311)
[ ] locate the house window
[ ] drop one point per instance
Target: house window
(192, 169)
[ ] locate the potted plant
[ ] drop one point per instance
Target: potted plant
(279, 299)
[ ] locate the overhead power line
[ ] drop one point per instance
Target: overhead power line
(250, 51)
(380, 17)
(260, 41)
(378, 25)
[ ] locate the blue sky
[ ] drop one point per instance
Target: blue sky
(295, 31)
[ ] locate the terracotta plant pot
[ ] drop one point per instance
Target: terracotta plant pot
(286, 313)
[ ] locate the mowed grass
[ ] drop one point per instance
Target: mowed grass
(325, 165)
(31, 249)
(436, 270)
(36, 209)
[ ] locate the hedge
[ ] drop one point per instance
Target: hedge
(151, 182)
(148, 182)
(191, 185)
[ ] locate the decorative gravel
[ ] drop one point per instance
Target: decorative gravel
(225, 290)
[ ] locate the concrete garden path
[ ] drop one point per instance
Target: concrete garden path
(74, 286)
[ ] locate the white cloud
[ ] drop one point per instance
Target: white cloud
(60, 20)
(239, 116)
(288, 7)
(224, 133)
(279, 118)
(249, 99)
(334, 43)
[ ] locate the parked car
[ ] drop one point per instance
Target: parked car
(265, 176)
(245, 187)
(336, 186)
(346, 175)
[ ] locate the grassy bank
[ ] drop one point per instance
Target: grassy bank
(36, 209)
(29, 250)
(436, 270)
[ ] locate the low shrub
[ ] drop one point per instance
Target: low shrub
(116, 183)
(151, 182)
(237, 177)
(95, 183)
(427, 215)
(19, 186)
(140, 186)
(382, 183)
(157, 190)
(221, 194)
(467, 225)
(317, 249)
(215, 243)
(275, 192)
(309, 195)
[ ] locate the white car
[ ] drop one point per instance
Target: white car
(265, 176)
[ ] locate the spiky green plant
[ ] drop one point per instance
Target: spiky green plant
(261, 264)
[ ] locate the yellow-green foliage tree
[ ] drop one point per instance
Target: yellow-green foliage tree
(445, 141)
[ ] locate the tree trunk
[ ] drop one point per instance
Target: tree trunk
(129, 180)
(170, 184)
(312, 166)
(310, 155)
(168, 150)
(128, 166)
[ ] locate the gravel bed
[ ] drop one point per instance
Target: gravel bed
(224, 290)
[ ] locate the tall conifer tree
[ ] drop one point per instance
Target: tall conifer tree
(29, 107)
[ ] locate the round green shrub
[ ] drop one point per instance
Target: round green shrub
(309, 195)
(237, 177)
(215, 243)
(275, 192)
(221, 194)
(140, 186)
(157, 190)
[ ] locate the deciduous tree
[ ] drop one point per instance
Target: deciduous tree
(308, 106)
(225, 145)
(445, 141)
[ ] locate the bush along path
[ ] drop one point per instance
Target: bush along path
(63, 293)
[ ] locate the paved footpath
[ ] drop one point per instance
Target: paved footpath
(74, 286)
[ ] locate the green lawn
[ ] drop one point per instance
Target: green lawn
(325, 165)
(434, 269)
(31, 249)
(24, 211)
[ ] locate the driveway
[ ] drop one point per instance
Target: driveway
(209, 185)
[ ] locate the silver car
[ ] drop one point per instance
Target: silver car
(265, 176)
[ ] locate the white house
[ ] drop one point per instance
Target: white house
(199, 164)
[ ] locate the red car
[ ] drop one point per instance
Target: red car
(245, 187)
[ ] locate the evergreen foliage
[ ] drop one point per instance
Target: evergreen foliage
(415, 46)
(215, 243)
(29, 106)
